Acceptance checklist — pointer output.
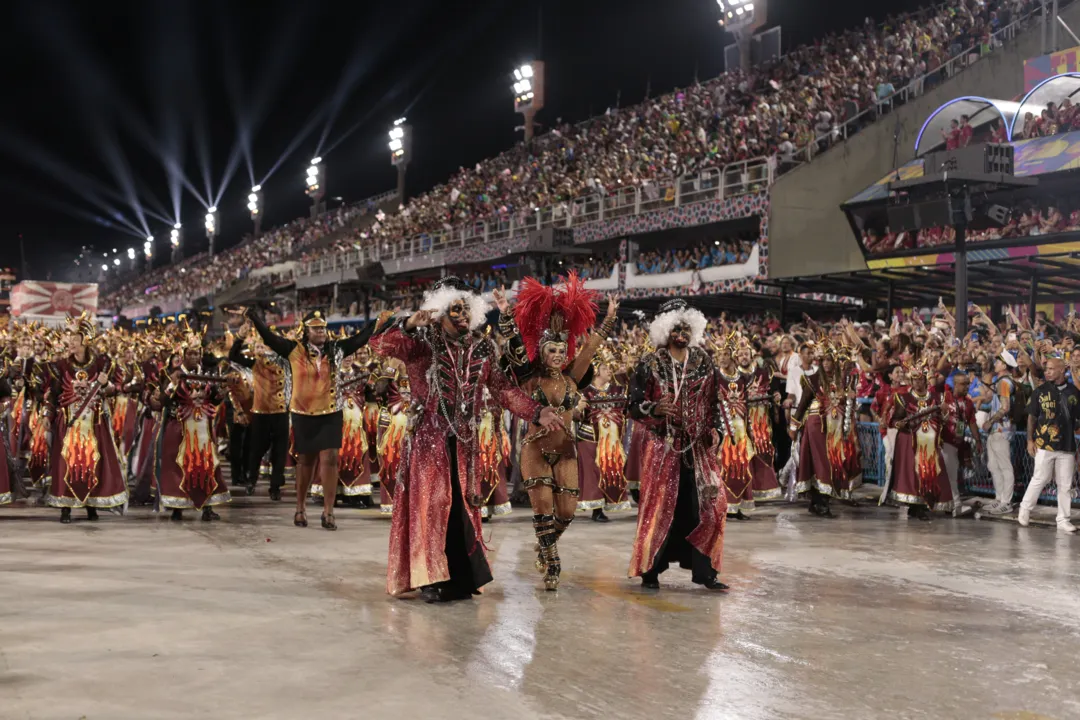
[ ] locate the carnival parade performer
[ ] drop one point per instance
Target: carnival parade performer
(188, 466)
(762, 407)
(354, 463)
(393, 425)
(541, 337)
(918, 478)
(494, 458)
(683, 508)
(315, 403)
(436, 542)
(601, 457)
(736, 445)
(86, 471)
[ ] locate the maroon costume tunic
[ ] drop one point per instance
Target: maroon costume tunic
(760, 421)
(736, 445)
(674, 445)
(85, 469)
(189, 470)
(918, 471)
(447, 377)
(601, 460)
(149, 422)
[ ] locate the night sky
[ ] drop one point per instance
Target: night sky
(102, 97)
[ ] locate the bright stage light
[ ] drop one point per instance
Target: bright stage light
(105, 268)
(253, 197)
(395, 144)
(312, 179)
(212, 209)
(316, 161)
(131, 253)
(399, 121)
(174, 238)
(257, 188)
(116, 262)
(177, 226)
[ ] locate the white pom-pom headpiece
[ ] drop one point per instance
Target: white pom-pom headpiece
(677, 312)
(449, 290)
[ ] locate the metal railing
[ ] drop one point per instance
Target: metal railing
(740, 178)
(974, 480)
(946, 71)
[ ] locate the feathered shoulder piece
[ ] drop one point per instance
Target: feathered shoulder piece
(554, 314)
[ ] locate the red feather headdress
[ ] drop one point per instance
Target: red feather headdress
(562, 313)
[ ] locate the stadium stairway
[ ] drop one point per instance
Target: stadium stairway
(808, 233)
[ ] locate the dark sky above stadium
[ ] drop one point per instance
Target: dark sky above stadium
(101, 98)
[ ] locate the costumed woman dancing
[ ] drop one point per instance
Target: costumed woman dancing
(541, 339)
(436, 541)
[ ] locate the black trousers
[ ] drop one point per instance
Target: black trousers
(239, 439)
(676, 548)
(469, 570)
(268, 432)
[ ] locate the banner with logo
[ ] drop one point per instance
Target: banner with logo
(53, 299)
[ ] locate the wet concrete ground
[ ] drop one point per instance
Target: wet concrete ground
(865, 616)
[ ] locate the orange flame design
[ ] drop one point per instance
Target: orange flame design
(610, 457)
(761, 429)
(80, 454)
(119, 416)
(354, 442)
(834, 440)
(926, 462)
(198, 460)
(391, 444)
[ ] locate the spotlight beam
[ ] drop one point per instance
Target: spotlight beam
(305, 131)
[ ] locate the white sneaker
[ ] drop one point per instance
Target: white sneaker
(1023, 517)
(997, 508)
(1066, 527)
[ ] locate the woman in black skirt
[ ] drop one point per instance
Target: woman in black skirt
(315, 413)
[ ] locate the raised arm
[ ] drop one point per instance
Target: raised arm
(236, 354)
(281, 345)
(354, 342)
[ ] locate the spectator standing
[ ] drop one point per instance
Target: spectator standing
(1053, 416)
(999, 440)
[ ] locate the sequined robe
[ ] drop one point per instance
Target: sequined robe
(446, 377)
(393, 425)
(668, 444)
(85, 469)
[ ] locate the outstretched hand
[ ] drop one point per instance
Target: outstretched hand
(612, 305)
(500, 300)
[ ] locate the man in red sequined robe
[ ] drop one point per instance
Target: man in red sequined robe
(683, 507)
(436, 542)
(918, 477)
(85, 469)
(188, 466)
(958, 416)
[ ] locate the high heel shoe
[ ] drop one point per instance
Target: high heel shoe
(300, 519)
(328, 522)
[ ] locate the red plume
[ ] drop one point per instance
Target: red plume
(577, 305)
(532, 312)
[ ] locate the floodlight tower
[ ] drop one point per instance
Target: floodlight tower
(316, 186)
(174, 241)
(148, 252)
(741, 18)
(400, 153)
(529, 93)
(211, 227)
(131, 256)
(255, 207)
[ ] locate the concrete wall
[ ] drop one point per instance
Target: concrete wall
(808, 233)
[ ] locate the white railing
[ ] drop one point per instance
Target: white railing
(948, 70)
(732, 180)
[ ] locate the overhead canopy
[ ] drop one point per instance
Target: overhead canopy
(980, 111)
(993, 276)
(1051, 90)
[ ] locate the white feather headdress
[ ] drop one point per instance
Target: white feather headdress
(676, 312)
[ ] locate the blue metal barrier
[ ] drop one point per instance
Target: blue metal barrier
(975, 480)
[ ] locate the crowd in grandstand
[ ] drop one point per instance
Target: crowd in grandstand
(699, 257)
(1029, 220)
(793, 104)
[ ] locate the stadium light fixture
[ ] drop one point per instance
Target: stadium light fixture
(116, 262)
(315, 180)
(254, 207)
(104, 267)
(528, 89)
(131, 253)
(737, 15)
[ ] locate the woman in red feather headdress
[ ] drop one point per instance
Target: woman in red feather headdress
(542, 352)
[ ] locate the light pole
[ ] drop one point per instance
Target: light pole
(741, 18)
(211, 227)
(400, 153)
(131, 257)
(529, 93)
(316, 186)
(255, 205)
(148, 252)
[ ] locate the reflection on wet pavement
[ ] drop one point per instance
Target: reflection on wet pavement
(866, 616)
